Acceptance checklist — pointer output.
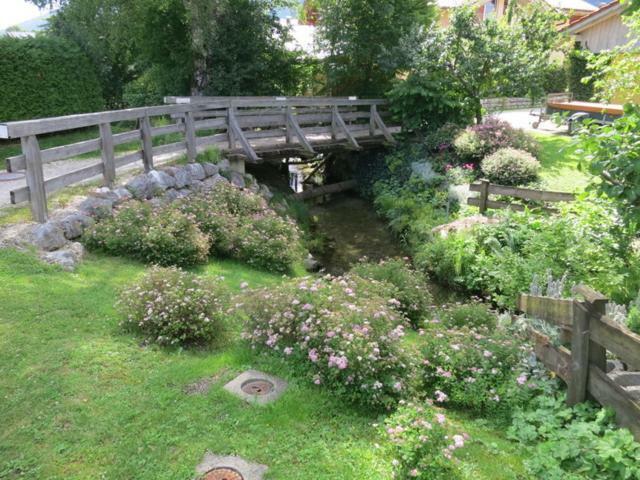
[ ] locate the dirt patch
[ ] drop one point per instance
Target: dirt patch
(202, 386)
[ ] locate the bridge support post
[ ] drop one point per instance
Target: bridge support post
(237, 164)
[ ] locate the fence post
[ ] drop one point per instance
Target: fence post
(334, 122)
(579, 372)
(108, 158)
(147, 143)
(190, 137)
(596, 304)
(230, 134)
(372, 120)
(288, 112)
(35, 178)
(484, 196)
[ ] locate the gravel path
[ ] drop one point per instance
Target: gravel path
(523, 119)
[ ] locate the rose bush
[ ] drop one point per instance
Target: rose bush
(341, 332)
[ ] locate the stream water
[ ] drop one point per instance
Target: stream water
(353, 230)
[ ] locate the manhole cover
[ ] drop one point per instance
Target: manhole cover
(7, 176)
(257, 387)
(223, 473)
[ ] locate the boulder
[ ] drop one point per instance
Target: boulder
(265, 192)
(311, 264)
(210, 169)
(140, 187)
(196, 170)
(96, 207)
(181, 175)
(171, 195)
(237, 179)
(209, 183)
(462, 224)
(160, 181)
(224, 165)
(122, 195)
(49, 236)
(68, 257)
(75, 224)
(197, 185)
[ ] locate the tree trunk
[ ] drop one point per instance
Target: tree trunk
(478, 111)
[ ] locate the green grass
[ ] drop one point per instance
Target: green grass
(560, 164)
(80, 399)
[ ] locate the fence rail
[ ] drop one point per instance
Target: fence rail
(591, 338)
(485, 188)
(234, 124)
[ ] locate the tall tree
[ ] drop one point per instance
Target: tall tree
(356, 33)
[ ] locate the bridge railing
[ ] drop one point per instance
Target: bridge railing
(242, 126)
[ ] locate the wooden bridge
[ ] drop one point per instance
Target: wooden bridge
(247, 129)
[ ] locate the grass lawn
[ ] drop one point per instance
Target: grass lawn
(80, 399)
(560, 165)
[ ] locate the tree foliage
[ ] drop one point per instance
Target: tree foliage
(145, 49)
(355, 34)
(44, 77)
(471, 59)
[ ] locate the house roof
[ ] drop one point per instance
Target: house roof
(602, 13)
(579, 5)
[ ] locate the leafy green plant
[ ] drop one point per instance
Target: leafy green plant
(509, 166)
(576, 443)
(421, 443)
(411, 287)
(470, 315)
(173, 308)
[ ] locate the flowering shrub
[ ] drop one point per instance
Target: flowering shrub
(268, 241)
(460, 175)
(411, 288)
(163, 236)
(468, 367)
(508, 166)
(421, 444)
(171, 307)
(441, 139)
(471, 315)
(341, 332)
(478, 141)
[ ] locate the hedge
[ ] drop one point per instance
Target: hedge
(45, 76)
(576, 71)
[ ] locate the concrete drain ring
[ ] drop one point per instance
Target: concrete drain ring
(223, 473)
(257, 386)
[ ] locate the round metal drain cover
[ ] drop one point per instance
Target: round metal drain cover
(8, 176)
(257, 387)
(223, 473)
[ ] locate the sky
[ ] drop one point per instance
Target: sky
(17, 11)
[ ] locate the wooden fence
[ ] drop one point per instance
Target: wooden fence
(224, 122)
(590, 338)
(483, 202)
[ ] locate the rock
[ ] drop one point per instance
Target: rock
(68, 257)
(181, 175)
(265, 192)
(105, 192)
(122, 195)
(17, 236)
(75, 224)
(196, 170)
(49, 236)
(171, 195)
(96, 207)
(462, 224)
(461, 193)
(237, 179)
(140, 187)
(160, 181)
(197, 185)
(224, 165)
(183, 192)
(210, 169)
(311, 264)
(211, 182)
